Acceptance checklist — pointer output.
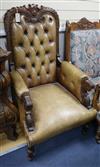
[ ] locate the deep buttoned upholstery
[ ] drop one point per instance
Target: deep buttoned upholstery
(34, 48)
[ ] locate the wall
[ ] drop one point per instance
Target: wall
(67, 10)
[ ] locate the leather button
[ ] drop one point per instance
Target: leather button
(50, 19)
(46, 30)
(51, 61)
(50, 40)
(27, 54)
(23, 66)
(38, 74)
(33, 65)
(37, 53)
(25, 32)
(36, 31)
(43, 63)
(47, 51)
(41, 42)
(21, 44)
(29, 76)
(31, 43)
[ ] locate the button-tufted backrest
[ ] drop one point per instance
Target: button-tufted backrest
(34, 44)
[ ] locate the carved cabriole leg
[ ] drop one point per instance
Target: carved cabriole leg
(31, 152)
(98, 128)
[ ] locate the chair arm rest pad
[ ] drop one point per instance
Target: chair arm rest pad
(19, 84)
(71, 78)
(71, 69)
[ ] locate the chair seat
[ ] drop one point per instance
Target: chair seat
(55, 110)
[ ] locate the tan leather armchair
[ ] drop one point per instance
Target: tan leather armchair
(51, 95)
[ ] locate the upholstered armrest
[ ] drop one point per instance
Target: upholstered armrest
(19, 84)
(23, 93)
(75, 81)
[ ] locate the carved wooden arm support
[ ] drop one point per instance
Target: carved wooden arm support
(23, 93)
(86, 86)
(28, 111)
(96, 98)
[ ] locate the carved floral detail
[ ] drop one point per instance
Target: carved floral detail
(85, 24)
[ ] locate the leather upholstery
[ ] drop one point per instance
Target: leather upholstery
(55, 110)
(19, 84)
(71, 77)
(34, 47)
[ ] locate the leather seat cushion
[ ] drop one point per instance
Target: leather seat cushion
(55, 110)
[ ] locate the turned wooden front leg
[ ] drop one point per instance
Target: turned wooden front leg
(31, 152)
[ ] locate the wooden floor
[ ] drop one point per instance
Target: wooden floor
(7, 146)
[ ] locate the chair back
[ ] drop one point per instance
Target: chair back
(83, 46)
(32, 36)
